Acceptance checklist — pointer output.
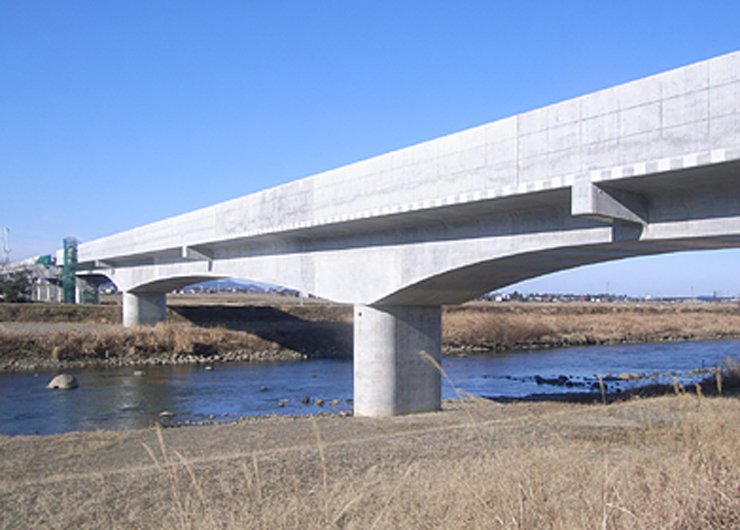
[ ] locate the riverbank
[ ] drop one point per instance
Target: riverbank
(668, 462)
(490, 327)
(214, 328)
(78, 346)
(56, 337)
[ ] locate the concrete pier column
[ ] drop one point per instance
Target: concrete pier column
(391, 374)
(144, 308)
(86, 291)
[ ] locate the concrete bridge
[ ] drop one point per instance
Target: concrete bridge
(649, 167)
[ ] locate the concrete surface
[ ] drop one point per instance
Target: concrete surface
(391, 376)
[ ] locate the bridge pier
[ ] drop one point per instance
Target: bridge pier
(144, 308)
(392, 374)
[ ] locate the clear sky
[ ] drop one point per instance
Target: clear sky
(114, 113)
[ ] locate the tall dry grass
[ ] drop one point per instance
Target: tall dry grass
(682, 474)
(322, 330)
(502, 327)
(160, 343)
(485, 331)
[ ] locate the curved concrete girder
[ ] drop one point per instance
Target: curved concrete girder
(168, 284)
(95, 278)
(146, 304)
(159, 278)
(472, 281)
(170, 276)
(419, 274)
(493, 242)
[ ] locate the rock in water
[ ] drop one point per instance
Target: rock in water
(63, 382)
(164, 418)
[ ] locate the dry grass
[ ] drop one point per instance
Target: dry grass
(684, 474)
(160, 343)
(493, 331)
(671, 463)
(224, 324)
(501, 327)
(39, 312)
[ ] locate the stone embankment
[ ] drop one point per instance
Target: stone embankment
(41, 336)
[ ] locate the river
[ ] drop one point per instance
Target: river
(116, 398)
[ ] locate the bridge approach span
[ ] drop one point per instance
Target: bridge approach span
(648, 167)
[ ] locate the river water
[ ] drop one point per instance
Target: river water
(115, 398)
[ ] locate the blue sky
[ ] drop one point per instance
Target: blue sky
(114, 113)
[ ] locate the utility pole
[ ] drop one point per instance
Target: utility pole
(6, 248)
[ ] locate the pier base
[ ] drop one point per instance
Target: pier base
(393, 373)
(144, 308)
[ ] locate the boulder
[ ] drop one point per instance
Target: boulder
(164, 418)
(63, 382)
(562, 380)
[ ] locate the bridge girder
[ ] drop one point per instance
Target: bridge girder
(463, 252)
